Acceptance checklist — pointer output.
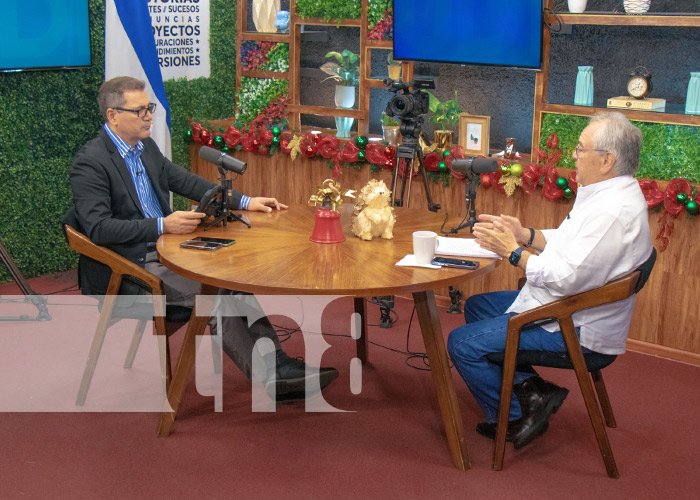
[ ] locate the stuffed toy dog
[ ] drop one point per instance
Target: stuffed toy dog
(373, 215)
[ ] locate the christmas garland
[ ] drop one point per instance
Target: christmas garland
(263, 140)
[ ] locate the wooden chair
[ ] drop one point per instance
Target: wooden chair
(167, 319)
(561, 311)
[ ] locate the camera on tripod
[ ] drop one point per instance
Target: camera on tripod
(408, 104)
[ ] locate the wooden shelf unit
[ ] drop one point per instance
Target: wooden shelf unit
(293, 38)
(542, 107)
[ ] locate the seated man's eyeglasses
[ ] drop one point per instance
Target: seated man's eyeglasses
(141, 112)
(580, 150)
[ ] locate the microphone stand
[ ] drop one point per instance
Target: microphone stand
(470, 201)
(224, 214)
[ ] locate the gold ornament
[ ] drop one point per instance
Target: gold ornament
(511, 183)
(330, 195)
(294, 146)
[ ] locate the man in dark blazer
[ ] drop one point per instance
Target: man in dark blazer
(121, 183)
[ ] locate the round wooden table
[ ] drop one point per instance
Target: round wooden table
(275, 256)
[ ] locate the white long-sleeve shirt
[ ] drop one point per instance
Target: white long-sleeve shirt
(605, 236)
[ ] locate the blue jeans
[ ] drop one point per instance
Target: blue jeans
(485, 333)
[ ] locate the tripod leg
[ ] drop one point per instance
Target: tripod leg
(433, 207)
(39, 301)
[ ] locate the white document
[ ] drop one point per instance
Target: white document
(463, 247)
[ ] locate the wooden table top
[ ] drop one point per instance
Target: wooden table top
(275, 256)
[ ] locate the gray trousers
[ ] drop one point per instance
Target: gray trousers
(237, 336)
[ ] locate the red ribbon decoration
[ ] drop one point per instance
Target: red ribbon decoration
(550, 190)
(308, 145)
(652, 192)
(431, 161)
(376, 153)
(327, 146)
(674, 187)
(530, 178)
(552, 141)
(232, 137)
(348, 154)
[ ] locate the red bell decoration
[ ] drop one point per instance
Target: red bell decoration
(327, 227)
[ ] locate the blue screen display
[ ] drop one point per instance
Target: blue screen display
(44, 34)
(492, 32)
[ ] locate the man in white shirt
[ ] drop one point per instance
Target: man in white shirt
(605, 236)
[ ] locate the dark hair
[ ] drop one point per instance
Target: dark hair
(111, 93)
(618, 136)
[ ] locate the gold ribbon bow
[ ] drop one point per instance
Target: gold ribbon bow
(330, 193)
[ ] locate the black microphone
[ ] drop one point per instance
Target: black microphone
(470, 166)
(222, 159)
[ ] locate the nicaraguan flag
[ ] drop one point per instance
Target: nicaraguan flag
(130, 50)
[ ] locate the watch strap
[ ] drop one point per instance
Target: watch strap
(514, 258)
(532, 237)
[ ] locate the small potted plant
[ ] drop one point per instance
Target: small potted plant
(390, 130)
(394, 67)
(345, 70)
(445, 117)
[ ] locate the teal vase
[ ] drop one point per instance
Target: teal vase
(692, 101)
(583, 95)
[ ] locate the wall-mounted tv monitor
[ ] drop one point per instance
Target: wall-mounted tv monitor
(492, 32)
(43, 34)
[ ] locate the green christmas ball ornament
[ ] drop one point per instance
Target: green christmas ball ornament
(692, 207)
(188, 135)
(562, 183)
(276, 141)
(503, 169)
(682, 198)
(225, 149)
(446, 153)
(361, 155)
(568, 193)
(361, 141)
(442, 165)
(516, 169)
(218, 141)
(276, 131)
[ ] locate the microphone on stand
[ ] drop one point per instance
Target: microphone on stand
(468, 167)
(222, 160)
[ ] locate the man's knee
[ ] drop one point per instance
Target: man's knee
(458, 344)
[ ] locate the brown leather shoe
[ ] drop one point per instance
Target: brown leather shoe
(488, 429)
(538, 400)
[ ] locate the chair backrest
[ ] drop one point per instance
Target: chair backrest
(645, 270)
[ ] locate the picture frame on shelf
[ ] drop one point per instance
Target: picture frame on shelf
(474, 133)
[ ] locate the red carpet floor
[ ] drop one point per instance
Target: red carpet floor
(388, 444)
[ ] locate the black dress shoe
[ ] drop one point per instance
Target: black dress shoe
(488, 429)
(538, 400)
(289, 382)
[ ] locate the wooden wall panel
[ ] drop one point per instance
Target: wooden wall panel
(667, 310)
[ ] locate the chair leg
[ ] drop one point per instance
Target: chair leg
(605, 405)
(103, 323)
(216, 354)
(164, 352)
(509, 362)
(135, 342)
(584, 382)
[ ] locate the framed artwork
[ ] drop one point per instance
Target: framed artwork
(474, 133)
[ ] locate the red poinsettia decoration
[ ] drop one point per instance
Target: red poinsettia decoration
(676, 186)
(652, 192)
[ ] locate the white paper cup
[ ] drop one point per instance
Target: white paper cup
(424, 245)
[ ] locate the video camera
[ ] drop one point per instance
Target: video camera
(408, 104)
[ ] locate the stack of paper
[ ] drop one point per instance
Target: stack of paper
(463, 247)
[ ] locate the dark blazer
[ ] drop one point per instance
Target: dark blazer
(107, 207)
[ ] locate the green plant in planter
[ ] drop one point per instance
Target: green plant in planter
(346, 71)
(446, 113)
(388, 121)
(391, 61)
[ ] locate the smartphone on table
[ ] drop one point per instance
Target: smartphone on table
(452, 262)
(207, 243)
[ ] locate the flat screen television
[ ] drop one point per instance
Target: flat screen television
(43, 34)
(491, 32)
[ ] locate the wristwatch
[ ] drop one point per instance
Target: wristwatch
(515, 256)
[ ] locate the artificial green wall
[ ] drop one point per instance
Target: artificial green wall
(46, 116)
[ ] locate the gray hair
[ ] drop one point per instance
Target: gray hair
(617, 135)
(111, 93)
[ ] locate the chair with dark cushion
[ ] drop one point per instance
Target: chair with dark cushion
(167, 320)
(561, 311)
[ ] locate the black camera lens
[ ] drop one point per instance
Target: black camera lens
(401, 105)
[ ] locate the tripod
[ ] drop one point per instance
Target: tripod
(408, 150)
(222, 214)
(29, 295)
